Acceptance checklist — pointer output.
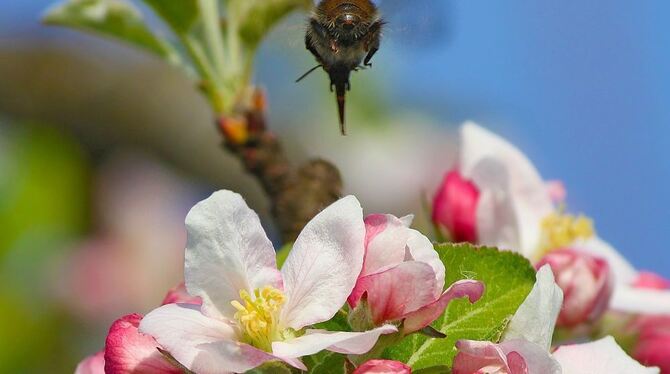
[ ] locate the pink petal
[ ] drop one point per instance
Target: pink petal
(227, 251)
(477, 357)
(337, 341)
(510, 357)
(383, 367)
(556, 190)
(385, 239)
(603, 356)
(179, 295)
(200, 343)
(421, 249)
(397, 291)
(93, 364)
(129, 351)
(646, 279)
(321, 269)
(455, 207)
(423, 317)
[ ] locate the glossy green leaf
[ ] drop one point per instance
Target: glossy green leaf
(112, 18)
(179, 14)
(508, 278)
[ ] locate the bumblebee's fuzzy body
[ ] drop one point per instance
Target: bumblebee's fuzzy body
(342, 35)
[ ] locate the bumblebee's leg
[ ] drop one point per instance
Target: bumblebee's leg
(373, 41)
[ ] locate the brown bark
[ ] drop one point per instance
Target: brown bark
(296, 194)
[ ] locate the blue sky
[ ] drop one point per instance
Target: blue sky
(581, 87)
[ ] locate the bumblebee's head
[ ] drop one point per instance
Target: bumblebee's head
(346, 20)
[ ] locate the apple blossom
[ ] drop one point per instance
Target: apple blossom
(586, 282)
(128, 350)
(402, 277)
(524, 347)
(515, 210)
(251, 312)
(383, 367)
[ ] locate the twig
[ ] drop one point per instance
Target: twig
(296, 195)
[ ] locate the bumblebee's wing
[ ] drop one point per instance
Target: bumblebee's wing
(416, 23)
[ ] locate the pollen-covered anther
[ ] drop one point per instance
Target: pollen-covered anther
(560, 230)
(259, 315)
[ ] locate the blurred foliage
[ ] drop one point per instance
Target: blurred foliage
(43, 205)
(114, 19)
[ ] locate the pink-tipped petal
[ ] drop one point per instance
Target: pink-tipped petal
(649, 280)
(511, 357)
(227, 251)
(603, 356)
(321, 269)
(129, 351)
(179, 295)
(479, 357)
(455, 207)
(397, 291)
(513, 197)
(385, 239)
(200, 343)
(423, 317)
(556, 190)
(517, 364)
(337, 341)
(93, 364)
(421, 249)
(383, 367)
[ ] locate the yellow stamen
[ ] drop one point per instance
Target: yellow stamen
(258, 317)
(560, 230)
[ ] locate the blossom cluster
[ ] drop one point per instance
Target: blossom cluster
(360, 286)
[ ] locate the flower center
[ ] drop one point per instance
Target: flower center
(259, 316)
(560, 230)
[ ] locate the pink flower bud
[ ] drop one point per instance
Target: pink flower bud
(587, 285)
(93, 364)
(383, 367)
(653, 345)
(455, 207)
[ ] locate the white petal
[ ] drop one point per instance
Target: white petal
(421, 249)
(603, 356)
(624, 272)
(536, 317)
(640, 300)
(337, 341)
(494, 164)
(202, 344)
(322, 268)
(227, 251)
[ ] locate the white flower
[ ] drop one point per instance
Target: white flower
(515, 211)
(525, 344)
(252, 312)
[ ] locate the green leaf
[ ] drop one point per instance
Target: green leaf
(282, 254)
(273, 367)
(179, 14)
(508, 278)
(257, 17)
(112, 18)
(325, 362)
